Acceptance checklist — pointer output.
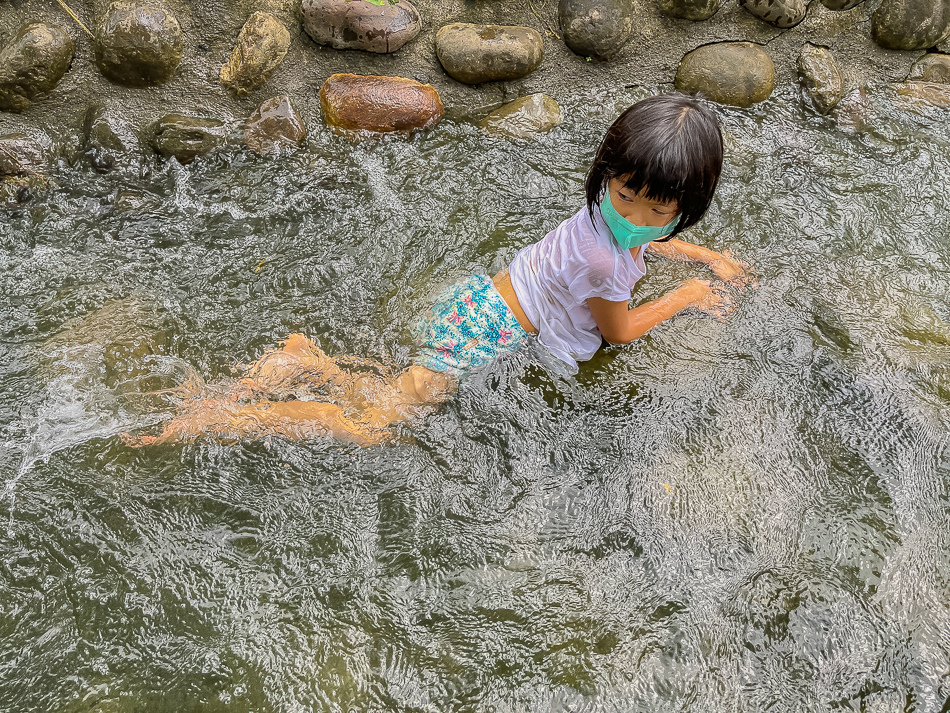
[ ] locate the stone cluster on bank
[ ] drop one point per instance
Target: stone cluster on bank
(139, 43)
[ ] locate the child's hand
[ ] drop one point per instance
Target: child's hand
(733, 272)
(714, 300)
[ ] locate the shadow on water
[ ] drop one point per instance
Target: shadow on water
(750, 515)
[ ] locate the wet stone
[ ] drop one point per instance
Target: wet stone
(524, 118)
(187, 137)
(21, 155)
(821, 77)
(778, 13)
(933, 67)
(736, 73)
(695, 10)
(261, 46)
(107, 139)
(931, 93)
(138, 44)
(595, 28)
(473, 54)
(840, 5)
(274, 123)
(910, 24)
(360, 24)
(355, 105)
(855, 111)
(32, 64)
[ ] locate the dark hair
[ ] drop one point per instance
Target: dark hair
(668, 146)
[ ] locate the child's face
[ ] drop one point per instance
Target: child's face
(638, 209)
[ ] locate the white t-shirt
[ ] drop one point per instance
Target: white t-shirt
(555, 277)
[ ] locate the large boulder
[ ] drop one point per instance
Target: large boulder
(360, 24)
(273, 124)
(821, 77)
(933, 67)
(355, 105)
(736, 73)
(139, 43)
(778, 13)
(695, 10)
(524, 118)
(33, 63)
(21, 155)
(595, 28)
(910, 24)
(187, 137)
(488, 53)
(261, 47)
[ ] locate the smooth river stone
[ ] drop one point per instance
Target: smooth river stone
(488, 53)
(736, 73)
(927, 92)
(821, 77)
(139, 44)
(841, 5)
(595, 28)
(360, 24)
(695, 10)
(261, 47)
(910, 24)
(32, 64)
(274, 123)
(524, 118)
(778, 13)
(933, 67)
(355, 105)
(186, 137)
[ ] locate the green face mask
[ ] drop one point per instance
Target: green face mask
(626, 233)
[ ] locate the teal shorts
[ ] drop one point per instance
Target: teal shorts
(469, 325)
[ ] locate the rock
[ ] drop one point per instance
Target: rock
(274, 123)
(107, 139)
(910, 24)
(186, 137)
(355, 105)
(17, 192)
(695, 10)
(33, 63)
(261, 47)
(821, 77)
(21, 155)
(855, 112)
(933, 67)
(595, 28)
(524, 118)
(139, 43)
(360, 24)
(736, 73)
(778, 13)
(840, 5)
(926, 92)
(488, 53)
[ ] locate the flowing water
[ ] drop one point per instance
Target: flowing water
(749, 515)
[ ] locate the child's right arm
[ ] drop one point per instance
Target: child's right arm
(620, 325)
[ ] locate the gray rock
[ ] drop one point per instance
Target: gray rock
(910, 24)
(33, 63)
(924, 92)
(821, 77)
(261, 47)
(356, 106)
(855, 111)
(841, 5)
(274, 123)
(473, 54)
(107, 139)
(186, 137)
(933, 67)
(736, 73)
(695, 10)
(524, 118)
(360, 24)
(595, 28)
(21, 155)
(139, 43)
(778, 13)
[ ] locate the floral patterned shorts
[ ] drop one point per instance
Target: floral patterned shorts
(469, 326)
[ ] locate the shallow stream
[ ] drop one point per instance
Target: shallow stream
(749, 515)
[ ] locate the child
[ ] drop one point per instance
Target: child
(653, 177)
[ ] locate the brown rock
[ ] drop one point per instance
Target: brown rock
(359, 24)
(355, 105)
(488, 53)
(821, 77)
(736, 73)
(261, 47)
(139, 44)
(33, 63)
(926, 92)
(933, 67)
(274, 123)
(524, 118)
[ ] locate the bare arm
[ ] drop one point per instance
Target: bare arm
(620, 325)
(723, 265)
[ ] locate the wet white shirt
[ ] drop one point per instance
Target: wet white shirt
(555, 277)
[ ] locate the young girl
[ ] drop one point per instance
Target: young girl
(653, 177)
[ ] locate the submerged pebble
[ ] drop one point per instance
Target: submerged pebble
(21, 155)
(356, 105)
(926, 92)
(32, 64)
(274, 123)
(474, 54)
(524, 118)
(260, 48)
